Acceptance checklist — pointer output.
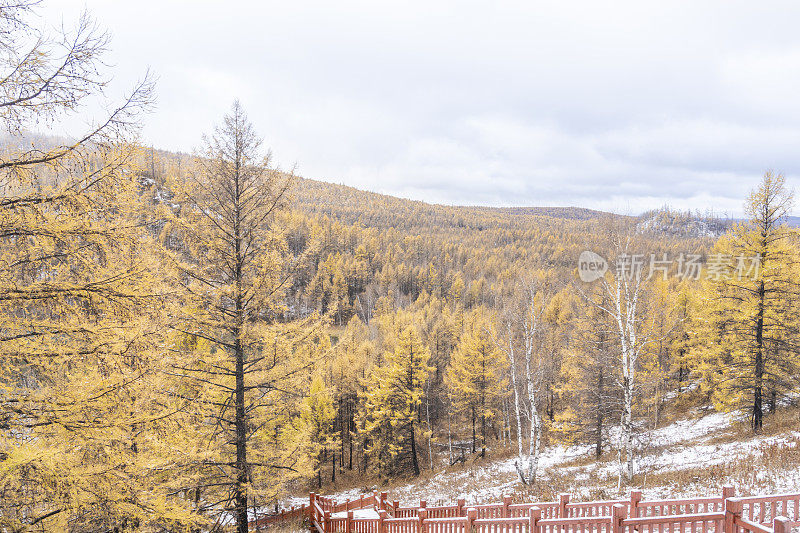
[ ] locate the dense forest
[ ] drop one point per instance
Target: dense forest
(186, 339)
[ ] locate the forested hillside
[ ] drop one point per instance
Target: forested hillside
(489, 299)
(186, 340)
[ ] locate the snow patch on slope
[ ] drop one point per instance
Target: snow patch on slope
(682, 445)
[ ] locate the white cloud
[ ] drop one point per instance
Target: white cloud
(625, 105)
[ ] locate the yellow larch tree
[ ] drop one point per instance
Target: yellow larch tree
(390, 412)
(237, 266)
(476, 376)
(747, 353)
(83, 297)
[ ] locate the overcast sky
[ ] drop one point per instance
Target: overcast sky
(621, 106)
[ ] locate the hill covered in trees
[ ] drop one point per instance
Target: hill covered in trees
(514, 343)
(184, 340)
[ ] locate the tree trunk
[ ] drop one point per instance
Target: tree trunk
(449, 437)
(342, 418)
(483, 406)
(627, 428)
(598, 434)
(430, 427)
(240, 487)
(517, 406)
(473, 428)
(350, 454)
(534, 440)
(758, 412)
(414, 461)
(196, 507)
(625, 313)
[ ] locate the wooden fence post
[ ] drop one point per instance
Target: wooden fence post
(506, 503)
(348, 522)
(617, 516)
(472, 514)
(534, 515)
(382, 521)
(563, 500)
(460, 510)
(422, 515)
(395, 506)
(326, 524)
(311, 516)
(423, 504)
(384, 497)
(375, 500)
(781, 524)
(636, 497)
(733, 508)
(727, 492)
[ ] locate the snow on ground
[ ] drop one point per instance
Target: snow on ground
(475, 484)
(690, 429)
(700, 455)
(684, 445)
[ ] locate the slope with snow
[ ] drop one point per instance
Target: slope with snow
(688, 457)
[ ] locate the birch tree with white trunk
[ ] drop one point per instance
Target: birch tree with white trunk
(624, 286)
(523, 326)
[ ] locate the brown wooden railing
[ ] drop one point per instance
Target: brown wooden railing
(294, 514)
(775, 513)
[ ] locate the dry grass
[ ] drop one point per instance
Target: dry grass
(286, 527)
(782, 421)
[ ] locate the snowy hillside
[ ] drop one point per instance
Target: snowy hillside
(688, 457)
(666, 221)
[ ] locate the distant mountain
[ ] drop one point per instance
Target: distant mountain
(793, 221)
(571, 213)
(349, 204)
